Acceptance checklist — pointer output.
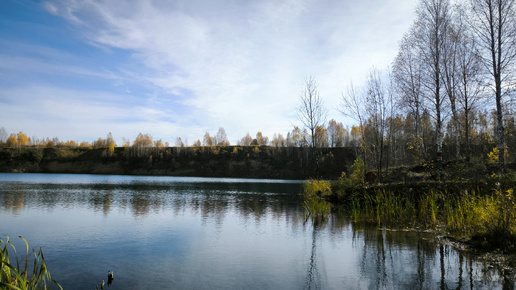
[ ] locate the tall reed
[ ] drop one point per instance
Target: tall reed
(462, 214)
(18, 277)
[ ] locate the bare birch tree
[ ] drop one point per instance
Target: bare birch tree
(407, 73)
(494, 25)
(379, 110)
(434, 19)
(450, 75)
(353, 106)
(311, 112)
(469, 89)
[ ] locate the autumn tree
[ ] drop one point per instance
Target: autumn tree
(125, 142)
(355, 136)
(322, 137)
(278, 140)
(246, 141)
(99, 143)
(142, 143)
(207, 140)
(159, 144)
(297, 138)
(22, 139)
(337, 134)
(179, 142)
(494, 25)
(110, 142)
(17, 140)
(11, 140)
(221, 137)
(260, 139)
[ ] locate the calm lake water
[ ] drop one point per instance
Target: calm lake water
(210, 233)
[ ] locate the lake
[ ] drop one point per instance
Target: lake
(216, 233)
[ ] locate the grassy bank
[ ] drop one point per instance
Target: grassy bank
(482, 215)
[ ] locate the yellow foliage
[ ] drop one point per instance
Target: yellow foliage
(317, 187)
(111, 148)
(11, 141)
(494, 155)
(23, 140)
(358, 171)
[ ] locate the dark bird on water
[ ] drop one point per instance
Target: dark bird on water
(110, 277)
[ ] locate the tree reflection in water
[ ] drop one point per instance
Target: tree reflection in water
(410, 260)
(313, 276)
(404, 260)
(386, 259)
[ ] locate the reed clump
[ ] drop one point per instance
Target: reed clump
(486, 218)
(316, 193)
(26, 275)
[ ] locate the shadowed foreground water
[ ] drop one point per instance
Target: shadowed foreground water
(208, 233)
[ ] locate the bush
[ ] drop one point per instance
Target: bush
(315, 193)
(319, 188)
(358, 172)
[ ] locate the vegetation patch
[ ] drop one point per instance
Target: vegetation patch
(24, 274)
(480, 213)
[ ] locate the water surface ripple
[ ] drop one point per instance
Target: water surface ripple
(215, 233)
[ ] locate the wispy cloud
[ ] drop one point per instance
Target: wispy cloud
(236, 64)
(69, 114)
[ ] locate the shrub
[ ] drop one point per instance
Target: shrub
(315, 192)
(358, 172)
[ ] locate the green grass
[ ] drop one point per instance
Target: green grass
(490, 217)
(25, 275)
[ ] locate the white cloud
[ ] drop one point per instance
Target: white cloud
(70, 115)
(236, 64)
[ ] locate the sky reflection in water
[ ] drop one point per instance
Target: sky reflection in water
(196, 233)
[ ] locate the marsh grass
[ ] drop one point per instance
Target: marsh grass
(19, 276)
(485, 214)
(481, 210)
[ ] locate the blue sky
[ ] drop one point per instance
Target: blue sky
(79, 69)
